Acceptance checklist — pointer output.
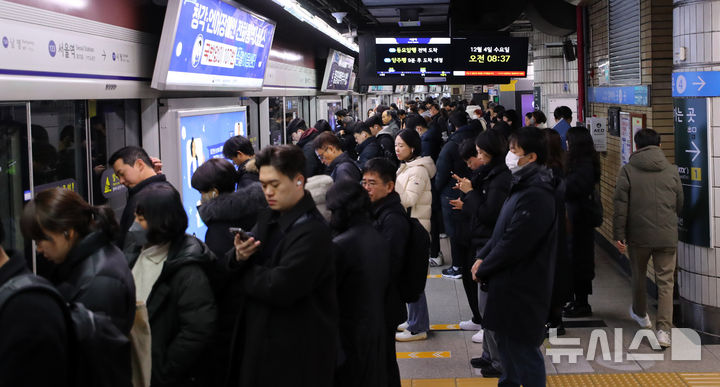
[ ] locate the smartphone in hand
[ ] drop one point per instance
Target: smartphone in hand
(244, 235)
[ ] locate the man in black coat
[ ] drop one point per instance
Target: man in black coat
(367, 146)
(134, 168)
(240, 151)
(385, 138)
(288, 272)
(390, 219)
(449, 163)
(518, 263)
(339, 164)
(33, 333)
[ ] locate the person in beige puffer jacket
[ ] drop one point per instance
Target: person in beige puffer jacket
(413, 181)
(414, 187)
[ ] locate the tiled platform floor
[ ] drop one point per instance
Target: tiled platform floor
(443, 359)
(669, 379)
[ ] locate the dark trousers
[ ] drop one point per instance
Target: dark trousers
(435, 224)
(393, 372)
(470, 286)
(582, 259)
(522, 363)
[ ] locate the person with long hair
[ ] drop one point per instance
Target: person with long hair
(90, 269)
(414, 187)
(485, 194)
(561, 283)
(170, 277)
(582, 173)
(362, 257)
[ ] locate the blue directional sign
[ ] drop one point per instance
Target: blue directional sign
(696, 84)
(620, 95)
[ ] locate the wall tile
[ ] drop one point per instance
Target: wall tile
(712, 291)
(705, 290)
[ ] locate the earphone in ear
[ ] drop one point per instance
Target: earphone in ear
(299, 183)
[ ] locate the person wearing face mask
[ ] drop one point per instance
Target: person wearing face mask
(170, 278)
(90, 269)
(517, 263)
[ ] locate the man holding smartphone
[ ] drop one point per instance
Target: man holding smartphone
(287, 270)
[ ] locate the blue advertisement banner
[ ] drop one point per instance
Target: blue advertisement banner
(202, 138)
(620, 95)
(696, 84)
(216, 40)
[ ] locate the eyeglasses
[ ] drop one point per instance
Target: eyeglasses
(320, 152)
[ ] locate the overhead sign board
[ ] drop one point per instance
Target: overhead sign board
(413, 56)
(696, 84)
(620, 95)
(211, 45)
(691, 157)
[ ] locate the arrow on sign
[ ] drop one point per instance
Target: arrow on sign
(701, 83)
(696, 151)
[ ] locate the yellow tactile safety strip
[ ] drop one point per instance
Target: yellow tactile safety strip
(424, 355)
(434, 275)
(670, 379)
(445, 327)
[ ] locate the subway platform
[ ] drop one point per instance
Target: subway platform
(444, 358)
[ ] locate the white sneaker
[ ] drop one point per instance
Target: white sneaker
(443, 235)
(663, 338)
(478, 337)
(409, 336)
(469, 325)
(644, 322)
(436, 261)
(402, 327)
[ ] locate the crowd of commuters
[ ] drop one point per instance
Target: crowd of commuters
(299, 280)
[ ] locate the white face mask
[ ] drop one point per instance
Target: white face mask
(511, 160)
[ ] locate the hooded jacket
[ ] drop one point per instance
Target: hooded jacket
(236, 209)
(386, 139)
(415, 189)
(95, 274)
(367, 150)
(313, 166)
(247, 174)
(519, 260)
(182, 313)
(344, 167)
(648, 199)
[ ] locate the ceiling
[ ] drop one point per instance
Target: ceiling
(446, 16)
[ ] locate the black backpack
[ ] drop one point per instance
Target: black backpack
(415, 262)
(93, 336)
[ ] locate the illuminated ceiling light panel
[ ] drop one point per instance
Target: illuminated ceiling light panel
(294, 8)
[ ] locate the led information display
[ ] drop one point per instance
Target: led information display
(413, 56)
(490, 57)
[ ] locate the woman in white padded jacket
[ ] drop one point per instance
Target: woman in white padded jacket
(414, 187)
